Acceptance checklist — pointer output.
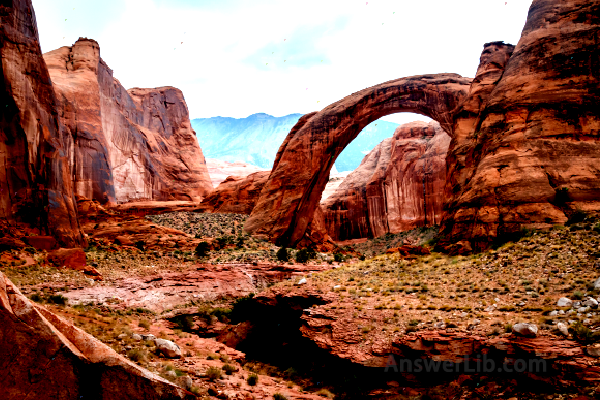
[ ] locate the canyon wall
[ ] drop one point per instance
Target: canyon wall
(526, 146)
(35, 176)
(398, 186)
(128, 145)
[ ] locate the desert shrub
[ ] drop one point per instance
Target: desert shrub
(362, 257)
(302, 256)
(36, 297)
(213, 373)
(583, 333)
(239, 242)
(202, 249)
(185, 322)
(136, 355)
(241, 309)
(282, 254)
(252, 379)
(57, 299)
(508, 328)
(229, 369)
(578, 216)
(338, 257)
(279, 396)
(577, 295)
(144, 323)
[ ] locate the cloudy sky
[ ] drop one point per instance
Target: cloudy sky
(238, 57)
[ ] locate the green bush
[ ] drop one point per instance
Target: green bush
(213, 373)
(282, 254)
(202, 249)
(36, 297)
(338, 257)
(252, 379)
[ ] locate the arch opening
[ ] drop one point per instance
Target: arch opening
(289, 201)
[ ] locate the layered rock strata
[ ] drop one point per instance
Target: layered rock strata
(129, 145)
(398, 186)
(35, 174)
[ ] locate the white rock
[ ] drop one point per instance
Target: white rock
(526, 329)
(561, 312)
(337, 286)
(497, 300)
(597, 285)
(476, 322)
(490, 309)
(171, 373)
(369, 289)
(186, 382)
(583, 309)
(135, 336)
(572, 322)
(553, 313)
(563, 329)
(168, 348)
(594, 350)
(148, 336)
(587, 321)
(590, 303)
(301, 281)
(564, 302)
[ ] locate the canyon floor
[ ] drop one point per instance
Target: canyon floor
(356, 311)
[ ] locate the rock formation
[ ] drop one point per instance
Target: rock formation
(129, 145)
(43, 354)
(220, 170)
(237, 194)
(398, 186)
(300, 173)
(526, 145)
(525, 148)
(35, 179)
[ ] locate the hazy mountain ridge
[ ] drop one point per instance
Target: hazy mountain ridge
(256, 139)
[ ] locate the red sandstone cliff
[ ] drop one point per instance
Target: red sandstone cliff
(35, 176)
(398, 186)
(526, 146)
(129, 145)
(236, 194)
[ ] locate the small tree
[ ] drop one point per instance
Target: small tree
(202, 249)
(338, 257)
(282, 254)
(240, 242)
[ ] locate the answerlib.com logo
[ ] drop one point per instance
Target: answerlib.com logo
(473, 365)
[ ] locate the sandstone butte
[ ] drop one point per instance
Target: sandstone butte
(135, 144)
(398, 186)
(43, 356)
(524, 148)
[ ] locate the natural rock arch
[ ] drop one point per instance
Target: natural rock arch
(288, 200)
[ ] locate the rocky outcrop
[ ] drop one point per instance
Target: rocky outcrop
(398, 186)
(237, 194)
(35, 178)
(129, 145)
(526, 145)
(44, 356)
(302, 166)
(220, 170)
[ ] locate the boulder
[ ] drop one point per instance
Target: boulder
(593, 350)
(563, 328)
(73, 259)
(523, 329)
(167, 348)
(597, 285)
(124, 241)
(564, 302)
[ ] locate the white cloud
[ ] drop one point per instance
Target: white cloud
(221, 65)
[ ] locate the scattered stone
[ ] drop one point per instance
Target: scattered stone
(564, 302)
(590, 303)
(587, 321)
(563, 328)
(597, 285)
(135, 336)
(148, 336)
(168, 348)
(171, 374)
(594, 350)
(186, 382)
(301, 281)
(583, 309)
(523, 329)
(553, 313)
(572, 322)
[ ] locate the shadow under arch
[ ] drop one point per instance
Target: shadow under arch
(288, 200)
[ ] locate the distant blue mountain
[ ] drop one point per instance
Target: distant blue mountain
(256, 139)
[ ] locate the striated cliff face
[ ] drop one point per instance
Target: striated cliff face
(129, 145)
(398, 186)
(35, 177)
(236, 194)
(526, 145)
